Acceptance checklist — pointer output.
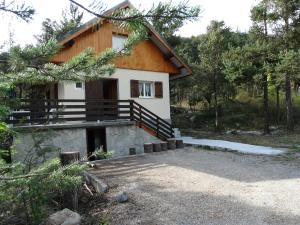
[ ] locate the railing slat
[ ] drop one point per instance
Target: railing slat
(61, 110)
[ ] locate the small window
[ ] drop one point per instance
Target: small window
(146, 89)
(78, 85)
(118, 41)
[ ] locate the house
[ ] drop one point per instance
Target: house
(119, 112)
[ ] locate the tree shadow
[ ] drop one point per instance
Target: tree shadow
(233, 166)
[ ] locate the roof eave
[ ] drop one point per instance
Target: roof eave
(170, 52)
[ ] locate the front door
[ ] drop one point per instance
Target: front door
(95, 91)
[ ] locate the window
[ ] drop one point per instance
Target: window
(118, 41)
(146, 89)
(78, 85)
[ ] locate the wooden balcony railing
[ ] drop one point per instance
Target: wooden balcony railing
(36, 111)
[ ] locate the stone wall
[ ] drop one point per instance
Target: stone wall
(121, 139)
(64, 139)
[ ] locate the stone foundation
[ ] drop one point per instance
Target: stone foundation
(120, 137)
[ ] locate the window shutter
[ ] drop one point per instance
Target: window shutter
(134, 87)
(158, 89)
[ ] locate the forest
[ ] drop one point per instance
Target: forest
(242, 80)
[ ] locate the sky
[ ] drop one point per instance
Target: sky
(235, 13)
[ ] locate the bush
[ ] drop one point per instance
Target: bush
(27, 188)
(32, 191)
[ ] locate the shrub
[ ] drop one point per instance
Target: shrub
(27, 188)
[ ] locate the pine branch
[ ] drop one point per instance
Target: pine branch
(21, 11)
(169, 13)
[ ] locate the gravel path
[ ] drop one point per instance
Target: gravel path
(193, 186)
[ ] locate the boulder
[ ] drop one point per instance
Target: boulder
(122, 197)
(63, 217)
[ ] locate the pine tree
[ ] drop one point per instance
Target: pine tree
(285, 19)
(71, 19)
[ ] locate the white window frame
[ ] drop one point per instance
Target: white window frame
(118, 41)
(143, 83)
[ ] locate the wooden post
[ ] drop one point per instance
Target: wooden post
(70, 198)
(171, 143)
(131, 110)
(140, 114)
(156, 147)
(179, 143)
(157, 126)
(164, 146)
(148, 148)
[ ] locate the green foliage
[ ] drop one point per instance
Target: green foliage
(33, 190)
(29, 186)
(103, 155)
(71, 19)
(167, 26)
(288, 62)
(19, 9)
(31, 64)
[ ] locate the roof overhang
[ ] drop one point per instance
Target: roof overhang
(154, 36)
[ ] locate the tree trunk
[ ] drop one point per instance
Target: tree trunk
(216, 104)
(266, 105)
(277, 105)
(288, 92)
(70, 198)
(289, 104)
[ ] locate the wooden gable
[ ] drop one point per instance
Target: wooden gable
(145, 56)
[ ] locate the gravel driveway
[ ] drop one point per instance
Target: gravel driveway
(193, 186)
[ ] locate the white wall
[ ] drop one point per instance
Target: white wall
(67, 90)
(159, 106)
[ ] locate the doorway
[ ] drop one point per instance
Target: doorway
(104, 89)
(96, 139)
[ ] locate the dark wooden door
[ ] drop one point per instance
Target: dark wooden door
(93, 91)
(110, 92)
(104, 89)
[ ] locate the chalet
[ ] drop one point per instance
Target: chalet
(120, 112)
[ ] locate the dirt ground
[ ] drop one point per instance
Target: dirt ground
(194, 186)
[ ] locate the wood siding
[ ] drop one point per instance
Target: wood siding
(145, 56)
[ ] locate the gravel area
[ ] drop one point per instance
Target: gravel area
(194, 186)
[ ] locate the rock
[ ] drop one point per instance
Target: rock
(63, 217)
(251, 132)
(193, 118)
(99, 185)
(123, 197)
(231, 132)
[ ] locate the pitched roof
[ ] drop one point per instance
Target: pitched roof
(155, 37)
